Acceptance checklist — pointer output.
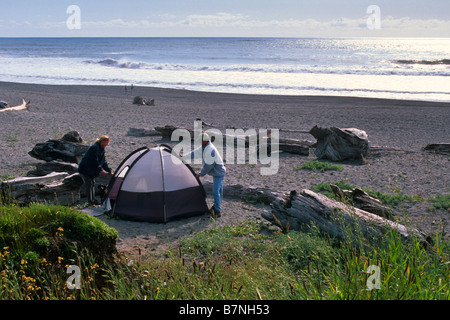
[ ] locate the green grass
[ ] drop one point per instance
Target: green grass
(245, 262)
(441, 202)
(319, 166)
(6, 177)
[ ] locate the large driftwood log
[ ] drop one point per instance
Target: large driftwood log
(340, 144)
(59, 188)
(250, 194)
(59, 150)
(361, 200)
(166, 131)
(45, 168)
(300, 211)
(5, 107)
(254, 141)
(294, 149)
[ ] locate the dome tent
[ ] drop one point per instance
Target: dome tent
(152, 184)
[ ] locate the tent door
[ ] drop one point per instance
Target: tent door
(115, 189)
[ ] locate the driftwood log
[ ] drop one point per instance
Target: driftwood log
(4, 106)
(58, 188)
(337, 144)
(59, 150)
(301, 211)
(250, 194)
(143, 102)
(166, 131)
(294, 146)
(361, 200)
(142, 132)
(45, 168)
(440, 148)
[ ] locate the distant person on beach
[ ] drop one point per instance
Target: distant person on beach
(212, 165)
(92, 163)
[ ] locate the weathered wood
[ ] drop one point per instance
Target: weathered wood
(72, 136)
(205, 124)
(440, 148)
(360, 199)
(143, 102)
(294, 146)
(250, 194)
(301, 211)
(59, 150)
(45, 168)
(58, 187)
(337, 144)
(142, 132)
(23, 106)
(306, 143)
(294, 149)
(166, 131)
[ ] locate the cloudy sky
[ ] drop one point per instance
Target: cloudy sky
(224, 18)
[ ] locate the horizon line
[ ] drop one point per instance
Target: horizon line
(219, 37)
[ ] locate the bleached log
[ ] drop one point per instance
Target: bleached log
(23, 106)
(301, 211)
(251, 194)
(57, 187)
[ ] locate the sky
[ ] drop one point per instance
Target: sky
(224, 18)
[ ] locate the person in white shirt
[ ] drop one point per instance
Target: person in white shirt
(212, 165)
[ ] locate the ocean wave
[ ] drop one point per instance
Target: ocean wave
(109, 62)
(269, 68)
(318, 89)
(424, 62)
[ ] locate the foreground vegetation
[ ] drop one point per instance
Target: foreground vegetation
(246, 261)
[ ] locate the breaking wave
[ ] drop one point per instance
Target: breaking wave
(424, 62)
(271, 68)
(108, 62)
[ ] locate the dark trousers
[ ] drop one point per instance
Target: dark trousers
(89, 184)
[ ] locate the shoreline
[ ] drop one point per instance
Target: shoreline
(117, 87)
(96, 110)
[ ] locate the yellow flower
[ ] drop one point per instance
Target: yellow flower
(60, 259)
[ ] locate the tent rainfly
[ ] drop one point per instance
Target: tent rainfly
(152, 184)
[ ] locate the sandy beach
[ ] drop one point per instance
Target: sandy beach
(406, 126)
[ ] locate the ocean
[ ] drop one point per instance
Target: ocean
(414, 69)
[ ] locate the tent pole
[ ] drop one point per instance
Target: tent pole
(163, 184)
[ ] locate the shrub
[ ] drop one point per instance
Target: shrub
(319, 166)
(54, 231)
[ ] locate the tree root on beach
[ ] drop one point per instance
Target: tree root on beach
(24, 106)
